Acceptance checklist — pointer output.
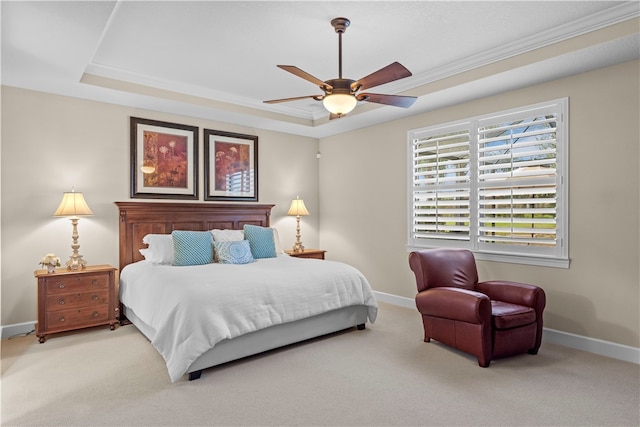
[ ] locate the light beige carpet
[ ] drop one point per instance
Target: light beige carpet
(384, 375)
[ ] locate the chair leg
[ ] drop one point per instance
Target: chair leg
(484, 363)
(535, 348)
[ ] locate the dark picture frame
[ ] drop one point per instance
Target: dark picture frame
(164, 160)
(230, 166)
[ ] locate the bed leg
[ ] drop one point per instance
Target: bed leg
(195, 375)
(361, 326)
(121, 317)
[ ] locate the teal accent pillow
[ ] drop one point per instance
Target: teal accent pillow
(234, 252)
(192, 247)
(260, 240)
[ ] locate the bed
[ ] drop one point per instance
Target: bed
(296, 311)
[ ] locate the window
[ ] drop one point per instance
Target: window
(495, 184)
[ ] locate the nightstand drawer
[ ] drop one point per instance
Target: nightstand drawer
(76, 283)
(78, 299)
(82, 317)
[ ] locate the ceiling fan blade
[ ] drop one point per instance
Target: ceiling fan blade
(303, 74)
(395, 100)
(275, 101)
(384, 75)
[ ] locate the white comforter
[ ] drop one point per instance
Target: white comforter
(191, 309)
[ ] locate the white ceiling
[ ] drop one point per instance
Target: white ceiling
(217, 59)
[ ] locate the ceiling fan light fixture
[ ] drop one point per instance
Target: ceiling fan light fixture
(339, 103)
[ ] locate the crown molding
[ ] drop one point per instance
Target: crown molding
(597, 21)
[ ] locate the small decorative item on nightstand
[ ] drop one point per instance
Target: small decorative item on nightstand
(75, 299)
(50, 262)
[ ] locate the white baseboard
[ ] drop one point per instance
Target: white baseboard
(552, 336)
(395, 299)
(9, 331)
(592, 345)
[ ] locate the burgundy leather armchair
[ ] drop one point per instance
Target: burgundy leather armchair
(489, 319)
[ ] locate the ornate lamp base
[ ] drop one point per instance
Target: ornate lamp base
(297, 246)
(75, 261)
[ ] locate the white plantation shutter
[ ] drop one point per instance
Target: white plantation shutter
(494, 184)
(440, 193)
(517, 181)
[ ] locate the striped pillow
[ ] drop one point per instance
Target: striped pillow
(260, 240)
(192, 247)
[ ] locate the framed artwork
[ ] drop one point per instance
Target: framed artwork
(230, 166)
(164, 160)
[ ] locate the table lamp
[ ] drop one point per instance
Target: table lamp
(73, 205)
(298, 209)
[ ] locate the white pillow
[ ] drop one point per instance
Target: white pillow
(276, 240)
(159, 250)
(227, 235)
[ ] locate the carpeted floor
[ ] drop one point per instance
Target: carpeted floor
(384, 375)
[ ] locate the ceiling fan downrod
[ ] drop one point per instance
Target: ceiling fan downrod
(340, 25)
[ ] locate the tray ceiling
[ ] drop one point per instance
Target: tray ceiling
(217, 59)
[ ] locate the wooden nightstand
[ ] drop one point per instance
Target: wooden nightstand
(308, 253)
(69, 300)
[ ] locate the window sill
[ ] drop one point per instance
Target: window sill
(511, 258)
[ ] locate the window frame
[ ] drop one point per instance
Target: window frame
(559, 255)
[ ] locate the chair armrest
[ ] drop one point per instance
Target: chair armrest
(455, 304)
(514, 293)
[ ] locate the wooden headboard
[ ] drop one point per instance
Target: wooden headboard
(138, 219)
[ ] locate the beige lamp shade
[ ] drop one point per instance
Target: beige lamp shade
(297, 208)
(73, 204)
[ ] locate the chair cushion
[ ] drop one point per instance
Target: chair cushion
(507, 316)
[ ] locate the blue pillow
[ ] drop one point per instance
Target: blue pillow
(192, 247)
(260, 240)
(234, 252)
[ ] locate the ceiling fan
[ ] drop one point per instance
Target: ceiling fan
(341, 95)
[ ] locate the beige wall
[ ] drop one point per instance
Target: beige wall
(363, 203)
(356, 194)
(51, 143)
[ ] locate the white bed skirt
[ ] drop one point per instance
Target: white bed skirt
(269, 338)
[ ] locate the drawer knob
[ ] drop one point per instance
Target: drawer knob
(94, 282)
(94, 297)
(62, 285)
(61, 301)
(95, 314)
(61, 319)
